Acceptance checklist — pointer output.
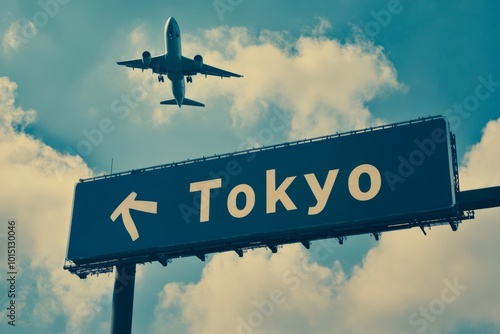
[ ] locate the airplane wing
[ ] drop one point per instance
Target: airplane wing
(189, 68)
(157, 64)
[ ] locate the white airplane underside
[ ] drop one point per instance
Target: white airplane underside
(175, 66)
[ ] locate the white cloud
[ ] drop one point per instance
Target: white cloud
(18, 34)
(322, 27)
(482, 160)
(37, 191)
(161, 116)
(14, 117)
(408, 283)
(324, 84)
(237, 288)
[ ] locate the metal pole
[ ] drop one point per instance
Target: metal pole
(123, 299)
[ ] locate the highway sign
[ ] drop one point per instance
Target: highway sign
(348, 183)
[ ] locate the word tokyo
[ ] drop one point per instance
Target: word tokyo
(276, 193)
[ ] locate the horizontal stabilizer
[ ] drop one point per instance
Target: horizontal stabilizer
(172, 102)
(186, 102)
(189, 102)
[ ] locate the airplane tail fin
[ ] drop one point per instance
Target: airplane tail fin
(186, 102)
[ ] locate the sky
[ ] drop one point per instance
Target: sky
(67, 110)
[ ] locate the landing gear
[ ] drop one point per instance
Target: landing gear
(189, 79)
(161, 78)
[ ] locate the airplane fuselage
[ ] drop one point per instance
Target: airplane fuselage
(173, 57)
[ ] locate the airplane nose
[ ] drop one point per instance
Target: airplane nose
(171, 21)
(170, 24)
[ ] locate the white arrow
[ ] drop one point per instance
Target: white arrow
(124, 208)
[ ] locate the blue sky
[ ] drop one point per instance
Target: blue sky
(322, 66)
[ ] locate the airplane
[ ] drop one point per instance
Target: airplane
(176, 66)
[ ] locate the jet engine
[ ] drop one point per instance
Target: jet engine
(146, 58)
(198, 62)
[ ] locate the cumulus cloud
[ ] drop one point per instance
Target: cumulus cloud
(323, 83)
(408, 283)
(18, 34)
(286, 279)
(14, 116)
(483, 157)
(322, 27)
(37, 192)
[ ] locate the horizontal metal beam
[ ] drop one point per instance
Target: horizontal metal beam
(478, 199)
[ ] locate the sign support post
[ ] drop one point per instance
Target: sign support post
(123, 299)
